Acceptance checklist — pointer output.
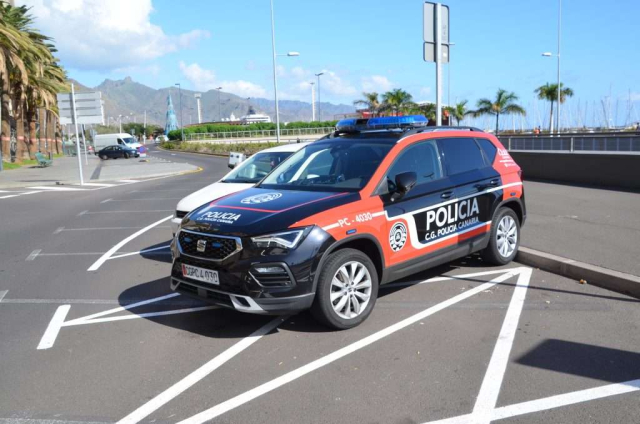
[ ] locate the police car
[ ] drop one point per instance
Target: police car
(378, 200)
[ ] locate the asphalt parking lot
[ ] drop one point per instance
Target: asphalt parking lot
(90, 332)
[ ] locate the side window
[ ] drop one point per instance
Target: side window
(120, 141)
(488, 148)
(461, 155)
(421, 158)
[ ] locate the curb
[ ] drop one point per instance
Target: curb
(193, 153)
(597, 276)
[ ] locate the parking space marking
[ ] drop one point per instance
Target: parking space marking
(151, 211)
(20, 194)
(191, 379)
(124, 308)
(490, 388)
(143, 198)
(82, 213)
(139, 252)
(57, 188)
(58, 230)
(3, 293)
(97, 264)
(106, 200)
(110, 228)
(33, 255)
(100, 185)
(248, 396)
(51, 333)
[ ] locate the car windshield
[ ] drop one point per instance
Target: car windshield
(337, 165)
(129, 140)
(256, 167)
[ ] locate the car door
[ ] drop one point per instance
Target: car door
(476, 184)
(108, 151)
(412, 231)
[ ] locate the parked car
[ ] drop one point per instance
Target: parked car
(122, 139)
(243, 176)
(348, 213)
(115, 152)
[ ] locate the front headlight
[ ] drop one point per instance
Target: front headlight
(285, 239)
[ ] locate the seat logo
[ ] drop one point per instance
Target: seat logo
(202, 245)
(261, 198)
(397, 236)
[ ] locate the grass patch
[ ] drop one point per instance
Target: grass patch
(7, 166)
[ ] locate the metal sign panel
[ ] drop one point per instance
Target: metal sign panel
(429, 54)
(429, 25)
(89, 108)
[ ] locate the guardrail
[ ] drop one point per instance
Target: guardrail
(611, 142)
(258, 134)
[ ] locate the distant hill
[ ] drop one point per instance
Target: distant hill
(126, 97)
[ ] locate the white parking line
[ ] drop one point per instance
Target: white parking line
(150, 211)
(106, 200)
(182, 385)
(20, 194)
(51, 333)
(97, 264)
(139, 252)
(52, 188)
(82, 213)
(33, 255)
(142, 198)
(100, 185)
(3, 293)
(58, 230)
(110, 228)
(243, 398)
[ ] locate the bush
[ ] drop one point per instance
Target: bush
(168, 145)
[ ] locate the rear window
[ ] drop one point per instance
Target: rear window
(461, 155)
(488, 148)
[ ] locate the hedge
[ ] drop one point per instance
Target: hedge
(215, 128)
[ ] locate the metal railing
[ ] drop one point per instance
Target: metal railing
(616, 142)
(230, 135)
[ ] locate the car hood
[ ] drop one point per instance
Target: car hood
(259, 211)
(208, 194)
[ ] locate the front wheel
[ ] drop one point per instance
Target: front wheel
(505, 238)
(126, 155)
(347, 290)
(103, 157)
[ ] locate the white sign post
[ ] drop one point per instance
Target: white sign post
(75, 121)
(436, 45)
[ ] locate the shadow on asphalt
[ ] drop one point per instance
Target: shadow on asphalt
(584, 360)
(160, 255)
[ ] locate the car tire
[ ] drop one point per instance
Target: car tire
(505, 238)
(345, 266)
(126, 155)
(103, 157)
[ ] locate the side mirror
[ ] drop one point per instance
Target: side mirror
(404, 183)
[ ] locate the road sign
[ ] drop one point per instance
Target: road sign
(430, 52)
(429, 14)
(89, 108)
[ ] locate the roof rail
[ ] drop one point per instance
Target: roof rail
(441, 128)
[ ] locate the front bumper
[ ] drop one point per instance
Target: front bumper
(242, 287)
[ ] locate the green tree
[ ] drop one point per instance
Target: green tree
(549, 92)
(397, 100)
(503, 104)
(458, 111)
(370, 101)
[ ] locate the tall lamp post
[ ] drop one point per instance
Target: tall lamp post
(313, 102)
(181, 121)
(219, 109)
(319, 113)
(275, 77)
(120, 122)
(449, 77)
(548, 54)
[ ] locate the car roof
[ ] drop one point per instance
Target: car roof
(289, 147)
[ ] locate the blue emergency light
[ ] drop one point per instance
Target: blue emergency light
(381, 123)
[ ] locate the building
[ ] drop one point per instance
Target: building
(254, 118)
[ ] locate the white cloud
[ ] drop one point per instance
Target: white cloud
(377, 83)
(425, 91)
(205, 79)
(334, 84)
(106, 34)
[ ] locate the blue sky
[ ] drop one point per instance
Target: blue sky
(361, 45)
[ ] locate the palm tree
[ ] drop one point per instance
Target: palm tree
(458, 111)
(549, 92)
(504, 104)
(370, 101)
(396, 100)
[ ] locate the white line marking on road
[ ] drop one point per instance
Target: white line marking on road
(21, 194)
(143, 315)
(82, 213)
(156, 210)
(58, 230)
(51, 333)
(57, 188)
(122, 308)
(182, 385)
(72, 254)
(490, 389)
(3, 293)
(112, 228)
(243, 398)
(33, 254)
(97, 264)
(100, 185)
(106, 200)
(139, 252)
(128, 181)
(142, 198)
(186, 302)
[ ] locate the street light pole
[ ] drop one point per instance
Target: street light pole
(219, 109)
(181, 121)
(313, 102)
(449, 77)
(275, 78)
(120, 122)
(559, 90)
(319, 111)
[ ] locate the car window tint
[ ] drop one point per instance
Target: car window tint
(461, 155)
(489, 149)
(421, 158)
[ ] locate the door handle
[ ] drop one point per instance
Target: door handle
(446, 194)
(492, 183)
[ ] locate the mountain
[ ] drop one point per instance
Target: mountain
(129, 98)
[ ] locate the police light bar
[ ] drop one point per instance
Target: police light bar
(385, 122)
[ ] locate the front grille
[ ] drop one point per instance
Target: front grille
(215, 248)
(181, 214)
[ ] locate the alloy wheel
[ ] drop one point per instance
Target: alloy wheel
(350, 290)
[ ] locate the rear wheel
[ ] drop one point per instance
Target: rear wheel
(505, 238)
(126, 155)
(347, 290)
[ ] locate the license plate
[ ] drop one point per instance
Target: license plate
(200, 274)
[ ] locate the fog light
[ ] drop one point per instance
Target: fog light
(269, 269)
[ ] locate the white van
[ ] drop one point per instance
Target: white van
(101, 141)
